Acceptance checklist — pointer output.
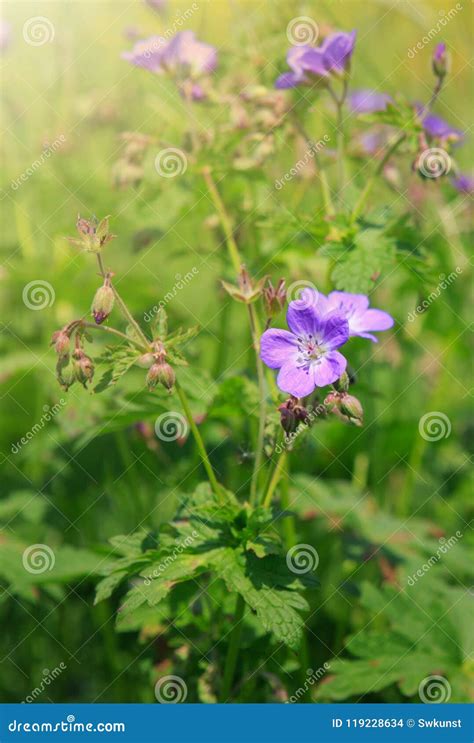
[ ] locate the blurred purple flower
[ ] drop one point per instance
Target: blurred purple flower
(440, 60)
(436, 127)
(306, 356)
(158, 5)
(353, 307)
(463, 183)
(181, 55)
(368, 101)
(333, 55)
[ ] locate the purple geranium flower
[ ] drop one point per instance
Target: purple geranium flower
(354, 308)
(306, 62)
(306, 356)
(368, 101)
(183, 54)
(437, 127)
(5, 34)
(464, 183)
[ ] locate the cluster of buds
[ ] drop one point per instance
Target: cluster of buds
(441, 61)
(159, 371)
(75, 367)
(258, 112)
(93, 235)
(274, 298)
(346, 407)
(292, 413)
(128, 170)
(246, 290)
(103, 301)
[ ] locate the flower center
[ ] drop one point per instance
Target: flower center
(311, 349)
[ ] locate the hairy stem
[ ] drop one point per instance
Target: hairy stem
(113, 331)
(325, 190)
(341, 173)
(199, 442)
(370, 183)
(274, 480)
(233, 650)
(225, 220)
(262, 403)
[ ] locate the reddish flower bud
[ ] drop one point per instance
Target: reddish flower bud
(103, 302)
(346, 407)
(160, 373)
(61, 341)
(440, 60)
(146, 360)
(292, 414)
(83, 367)
(274, 298)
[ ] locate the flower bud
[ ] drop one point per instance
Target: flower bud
(83, 367)
(246, 291)
(93, 235)
(103, 302)
(292, 414)
(61, 341)
(274, 298)
(160, 373)
(351, 407)
(146, 360)
(440, 60)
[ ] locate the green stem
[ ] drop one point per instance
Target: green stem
(118, 333)
(341, 174)
(289, 526)
(436, 92)
(225, 221)
(370, 183)
(122, 306)
(199, 442)
(274, 480)
(262, 403)
(233, 650)
(325, 190)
